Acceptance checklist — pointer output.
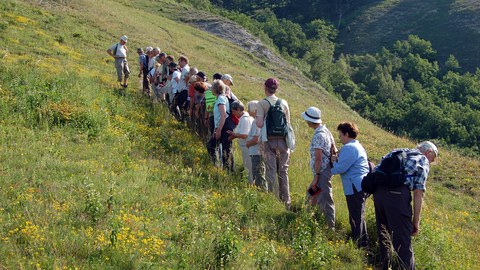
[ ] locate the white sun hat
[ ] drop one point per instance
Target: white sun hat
(312, 114)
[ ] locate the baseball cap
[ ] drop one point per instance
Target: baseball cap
(227, 77)
(271, 83)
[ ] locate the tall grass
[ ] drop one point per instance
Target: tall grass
(95, 177)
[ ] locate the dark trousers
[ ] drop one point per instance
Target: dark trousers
(393, 212)
(356, 213)
(227, 156)
(146, 85)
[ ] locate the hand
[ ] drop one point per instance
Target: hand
(416, 228)
(218, 134)
(334, 158)
(230, 132)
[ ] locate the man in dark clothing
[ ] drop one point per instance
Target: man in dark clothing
(393, 210)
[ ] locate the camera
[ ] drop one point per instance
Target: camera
(313, 191)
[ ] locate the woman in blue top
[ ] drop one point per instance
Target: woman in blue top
(223, 123)
(352, 165)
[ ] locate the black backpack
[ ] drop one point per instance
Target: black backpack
(276, 120)
(390, 173)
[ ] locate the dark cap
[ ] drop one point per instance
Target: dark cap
(271, 83)
(217, 76)
(172, 65)
(202, 75)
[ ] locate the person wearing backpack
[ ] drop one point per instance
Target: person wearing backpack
(352, 165)
(119, 52)
(273, 114)
(393, 210)
(320, 189)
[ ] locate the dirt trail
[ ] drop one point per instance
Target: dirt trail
(237, 35)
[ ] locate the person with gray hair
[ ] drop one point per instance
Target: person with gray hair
(241, 132)
(393, 210)
(253, 145)
(119, 52)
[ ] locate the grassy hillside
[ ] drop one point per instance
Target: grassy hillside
(451, 25)
(95, 177)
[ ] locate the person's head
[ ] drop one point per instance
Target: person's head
(347, 131)
(430, 150)
(162, 57)
(148, 51)
(182, 61)
(172, 66)
(123, 39)
(252, 107)
(193, 71)
(237, 108)
(140, 51)
(169, 59)
(312, 116)
(156, 51)
(218, 88)
(227, 79)
(192, 79)
(200, 87)
(270, 86)
(202, 76)
(217, 76)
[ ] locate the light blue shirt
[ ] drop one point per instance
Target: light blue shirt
(352, 165)
(221, 100)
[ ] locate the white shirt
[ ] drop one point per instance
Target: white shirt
(243, 127)
(121, 51)
(175, 84)
(182, 85)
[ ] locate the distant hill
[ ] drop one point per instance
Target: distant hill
(453, 27)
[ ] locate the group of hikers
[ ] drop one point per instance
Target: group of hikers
(265, 137)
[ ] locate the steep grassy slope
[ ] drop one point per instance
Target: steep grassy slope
(451, 25)
(97, 177)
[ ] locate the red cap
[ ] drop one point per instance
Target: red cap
(271, 83)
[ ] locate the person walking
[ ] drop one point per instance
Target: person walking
(119, 52)
(320, 154)
(352, 165)
(273, 114)
(396, 224)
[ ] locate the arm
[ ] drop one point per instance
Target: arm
(109, 51)
(252, 142)
(223, 117)
(345, 160)
(317, 166)
(417, 209)
(259, 121)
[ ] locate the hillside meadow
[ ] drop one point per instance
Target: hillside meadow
(97, 177)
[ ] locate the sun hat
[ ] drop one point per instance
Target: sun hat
(124, 38)
(148, 49)
(227, 77)
(312, 114)
(271, 83)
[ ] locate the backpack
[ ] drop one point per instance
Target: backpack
(276, 120)
(390, 173)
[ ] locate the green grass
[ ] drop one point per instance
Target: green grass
(449, 24)
(95, 177)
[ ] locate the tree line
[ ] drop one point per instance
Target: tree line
(402, 88)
